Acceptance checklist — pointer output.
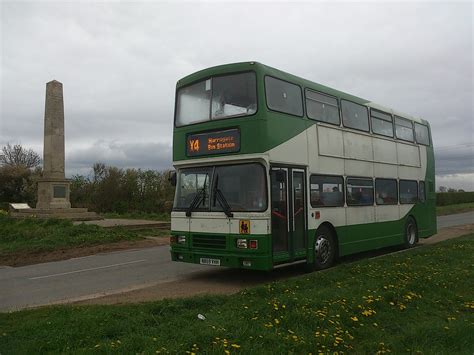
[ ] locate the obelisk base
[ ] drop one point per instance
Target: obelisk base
(53, 194)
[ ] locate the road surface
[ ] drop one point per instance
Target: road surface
(112, 273)
(455, 219)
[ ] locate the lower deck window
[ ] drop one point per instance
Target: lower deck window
(360, 192)
(408, 191)
(386, 192)
(327, 190)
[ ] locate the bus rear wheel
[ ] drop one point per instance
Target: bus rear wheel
(324, 248)
(411, 233)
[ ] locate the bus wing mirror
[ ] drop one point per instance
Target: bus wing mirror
(280, 175)
(172, 178)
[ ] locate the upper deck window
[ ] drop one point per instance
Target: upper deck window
(216, 98)
(403, 129)
(381, 123)
(355, 115)
(321, 107)
(422, 134)
(283, 96)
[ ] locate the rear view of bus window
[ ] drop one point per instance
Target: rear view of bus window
(360, 192)
(408, 191)
(326, 191)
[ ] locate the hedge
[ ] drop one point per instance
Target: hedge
(452, 198)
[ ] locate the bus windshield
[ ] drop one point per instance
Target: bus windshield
(243, 187)
(217, 98)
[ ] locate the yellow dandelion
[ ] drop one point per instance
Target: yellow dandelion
(235, 346)
(355, 319)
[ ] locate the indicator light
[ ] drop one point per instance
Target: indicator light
(253, 244)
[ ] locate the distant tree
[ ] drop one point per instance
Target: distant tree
(443, 189)
(452, 190)
(17, 156)
(461, 190)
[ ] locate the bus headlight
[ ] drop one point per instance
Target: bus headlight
(242, 243)
(181, 239)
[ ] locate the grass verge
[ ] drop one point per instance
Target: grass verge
(39, 235)
(139, 215)
(452, 209)
(417, 301)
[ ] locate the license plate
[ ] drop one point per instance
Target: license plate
(208, 261)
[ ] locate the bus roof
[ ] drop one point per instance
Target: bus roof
(267, 70)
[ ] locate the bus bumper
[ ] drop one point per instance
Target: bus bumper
(232, 260)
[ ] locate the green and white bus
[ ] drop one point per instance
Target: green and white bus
(274, 169)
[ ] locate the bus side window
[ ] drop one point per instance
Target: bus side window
(408, 191)
(327, 191)
(386, 192)
(360, 191)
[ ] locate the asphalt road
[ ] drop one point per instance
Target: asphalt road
(110, 273)
(455, 219)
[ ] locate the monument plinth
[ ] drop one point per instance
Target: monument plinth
(53, 187)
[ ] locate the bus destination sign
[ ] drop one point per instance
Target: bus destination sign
(221, 142)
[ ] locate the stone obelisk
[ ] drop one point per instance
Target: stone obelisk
(53, 188)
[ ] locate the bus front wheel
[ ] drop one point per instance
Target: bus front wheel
(411, 233)
(324, 248)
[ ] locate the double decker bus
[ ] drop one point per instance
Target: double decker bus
(274, 169)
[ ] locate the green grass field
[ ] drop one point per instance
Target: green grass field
(452, 209)
(419, 301)
(37, 235)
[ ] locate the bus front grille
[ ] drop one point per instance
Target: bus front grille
(209, 241)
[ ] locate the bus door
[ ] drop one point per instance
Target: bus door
(279, 196)
(298, 215)
(288, 213)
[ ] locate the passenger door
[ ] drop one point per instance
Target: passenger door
(288, 207)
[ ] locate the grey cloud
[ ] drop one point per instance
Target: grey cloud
(455, 159)
(155, 156)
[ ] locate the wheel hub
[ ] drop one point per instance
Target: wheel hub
(322, 249)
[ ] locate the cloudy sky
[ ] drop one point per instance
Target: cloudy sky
(119, 63)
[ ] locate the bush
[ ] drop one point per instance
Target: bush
(111, 189)
(452, 198)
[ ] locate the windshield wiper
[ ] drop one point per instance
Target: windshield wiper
(200, 196)
(222, 201)
(196, 201)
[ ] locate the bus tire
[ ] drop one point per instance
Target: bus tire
(324, 248)
(410, 233)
